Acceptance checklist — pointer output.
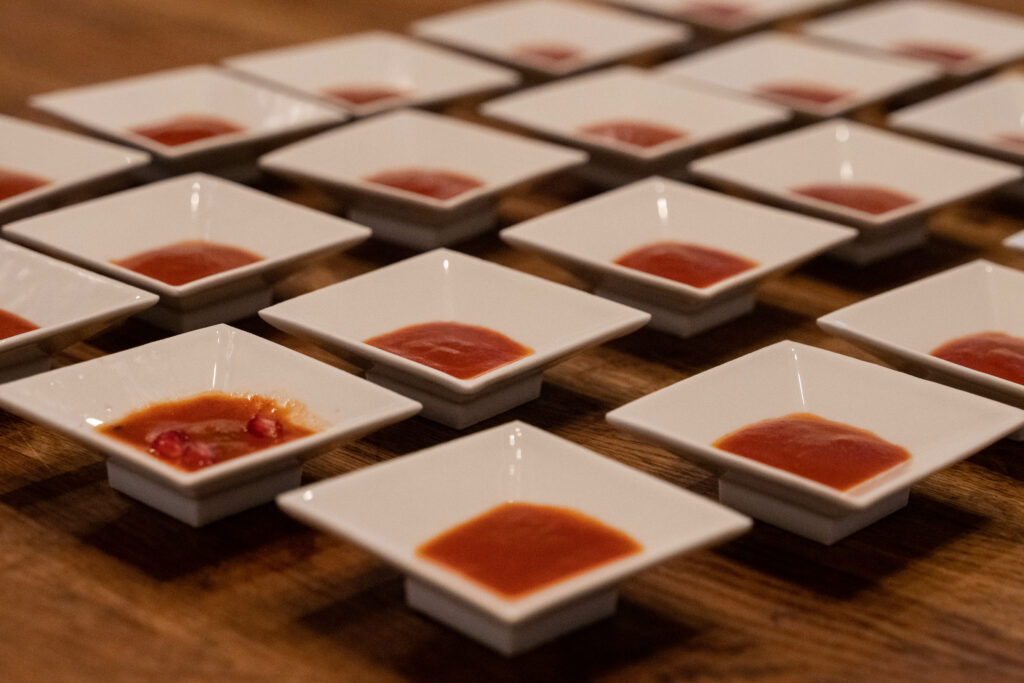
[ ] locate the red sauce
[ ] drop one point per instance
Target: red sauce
(995, 353)
(549, 55)
(517, 548)
(634, 133)
(207, 429)
(814, 95)
(13, 182)
(180, 263)
(690, 264)
(187, 128)
(463, 351)
(867, 198)
(364, 94)
(11, 324)
(715, 12)
(429, 182)
(1014, 141)
(832, 453)
(943, 54)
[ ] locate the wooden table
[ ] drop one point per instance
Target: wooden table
(94, 586)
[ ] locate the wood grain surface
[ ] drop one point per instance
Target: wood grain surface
(94, 586)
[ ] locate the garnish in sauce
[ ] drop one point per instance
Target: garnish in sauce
(690, 264)
(463, 351)
(207, 429)
(994, 353)
(831, 453)
(364, 94)
(945, 55)
(11, 324)
(517, 548)
(429, 182)
(812, 95)
(187, 128)
(548, 55)
(867, 198)
(180, 263)
(633, 133)
(13, 183)
(715, 13)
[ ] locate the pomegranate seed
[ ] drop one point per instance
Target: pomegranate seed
(170, 444)
(197, 456)
(263, 427)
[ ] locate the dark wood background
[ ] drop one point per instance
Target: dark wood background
(94, 586)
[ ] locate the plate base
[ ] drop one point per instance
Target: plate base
(419, 235)
(798, 519)
(224, 311)
(508, 639)
(200, 511)
(897, 239)
(686, 323)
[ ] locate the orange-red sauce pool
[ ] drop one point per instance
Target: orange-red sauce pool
(832, 453)
(870, 199)
(690, 264)
(429, 182)
(715, 13)
(995, 353)
(187, 128)
(802, 94)
(549, 55)
(14, 183)
(644, 134)
(517, 548)
(944, 54)
(364, 94)
(183, 262)
(11, 324)
(463, 351)
(207, 429)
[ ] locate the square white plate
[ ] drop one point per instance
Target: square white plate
(1015, 241)
(111, 109)
(392, 508)
(77, 399)
(727, 15)
(66, 302)
(191, 207)
(904, 325)
(938, 425)
(773, 58)
(499, 29)
(996, 37)
(588, 236)
(67, 160)
(443, 285)
(424, 74)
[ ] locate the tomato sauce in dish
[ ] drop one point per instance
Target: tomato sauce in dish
(14, 183)
(517, 548)
(462, 351)
(208, 428)
(870, 199)
(187, 128)
(183, 262)
(814, 95)
(831, 453)
(364, 94)
(549, 55)
(994, 353)
(11, 324)
(429, 182)
(690, 264)
(944, 54)
(715, 13)
(644, 134)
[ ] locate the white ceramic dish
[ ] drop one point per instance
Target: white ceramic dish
(727, 15)
(422, 73)
(340, 161)
(268, 117)
(562, 109)
(994, 38)
(588, 236)
(498, 30)
(68, 161)
(394, 507)
(904, 325)
(1015, 241)
(67, 303)
(442, 285)
(847, 152)
(778, 59)
(938, 425)
(77, 399)
(192, 207)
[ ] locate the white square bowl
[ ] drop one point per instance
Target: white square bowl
(588, 236)
(192, 207)
(77, 399)
(938, 425)
(442, 285)
(423, 73)
(848, 152)
(904, 325)
(67, 304)
(561, 109)
(727, 15)
(996, 37)
(499, 29)
(268, 117)
(772, 58)
(68, 161)
(339, 162)
(394, 507)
